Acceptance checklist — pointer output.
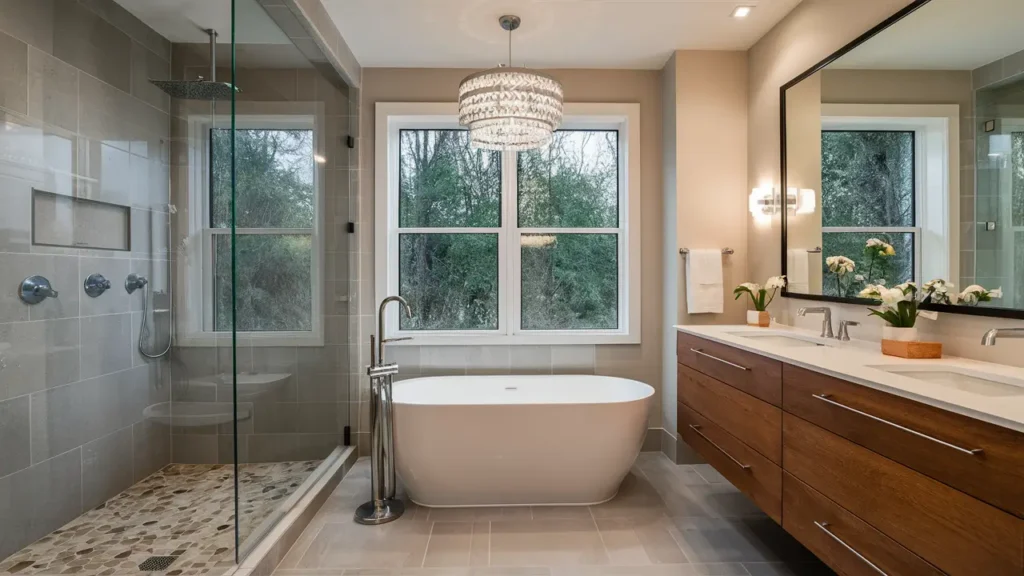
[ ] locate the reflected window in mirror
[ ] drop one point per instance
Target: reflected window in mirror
(868, 193)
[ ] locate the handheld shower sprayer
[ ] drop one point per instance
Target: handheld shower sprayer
(137, 282)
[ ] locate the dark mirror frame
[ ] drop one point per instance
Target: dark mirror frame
(903, 13)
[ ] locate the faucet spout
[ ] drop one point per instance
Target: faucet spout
(381, 340)
(826, 322)
(990, 337)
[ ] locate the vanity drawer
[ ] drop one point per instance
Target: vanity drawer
(755, 422)
(951, 530)
(752, 473)
(754, 374)
(831, 532)
(996, 475)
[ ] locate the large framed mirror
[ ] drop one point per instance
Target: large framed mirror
(903, 159)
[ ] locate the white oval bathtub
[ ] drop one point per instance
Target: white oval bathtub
(517, 440)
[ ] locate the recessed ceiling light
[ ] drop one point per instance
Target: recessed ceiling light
(742, 11)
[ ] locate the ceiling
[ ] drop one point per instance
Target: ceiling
(554, 33)
(945, 35)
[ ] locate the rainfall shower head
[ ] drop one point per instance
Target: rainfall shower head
(195, 89)
(199, 89)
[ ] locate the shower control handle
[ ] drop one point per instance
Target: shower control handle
(134, 282)
(95, 285)
(35, 289)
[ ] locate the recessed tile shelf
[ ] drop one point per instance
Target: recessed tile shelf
(66, 221)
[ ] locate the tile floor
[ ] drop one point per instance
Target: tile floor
(184, 510)
(667, 520)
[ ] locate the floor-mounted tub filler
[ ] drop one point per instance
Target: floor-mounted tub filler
(517, 440)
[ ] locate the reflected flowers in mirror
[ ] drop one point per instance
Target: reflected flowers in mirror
(840, 266)
(974, 294)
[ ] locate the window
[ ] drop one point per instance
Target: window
(534, 247)
(277, 214)
(868, 191)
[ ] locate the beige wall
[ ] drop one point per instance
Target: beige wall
(812, 31)
(704, 95)
(641, 361)
(803, 145)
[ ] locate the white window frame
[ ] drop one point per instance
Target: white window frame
(195, 326)
(394, 116)
(936, 130)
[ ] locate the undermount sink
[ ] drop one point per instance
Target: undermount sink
(961, 379)
(779, 338)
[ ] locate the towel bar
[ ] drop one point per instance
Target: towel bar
(685, 251)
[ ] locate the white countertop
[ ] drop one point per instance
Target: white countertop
(853, 361)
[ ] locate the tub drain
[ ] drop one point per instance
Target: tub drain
(156, 563)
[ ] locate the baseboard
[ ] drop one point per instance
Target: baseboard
(668, 444)
(652, 441)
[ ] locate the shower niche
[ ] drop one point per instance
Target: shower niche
(67, 221)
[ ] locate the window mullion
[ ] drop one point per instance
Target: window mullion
(509, 283)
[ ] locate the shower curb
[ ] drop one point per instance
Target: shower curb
(265, 557)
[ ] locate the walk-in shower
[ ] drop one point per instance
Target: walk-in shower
(174, 361)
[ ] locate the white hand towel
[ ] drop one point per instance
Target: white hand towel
(705, 292)
(797, 271)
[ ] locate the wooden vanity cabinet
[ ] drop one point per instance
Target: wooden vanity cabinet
(868, 481)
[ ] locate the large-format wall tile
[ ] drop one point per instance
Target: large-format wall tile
(68, 416)
(128, 23)
(113, 301)
(314, 446)
(106, 467)
(150, 183)
(62, 273)
(320, 417)
(107, 119)
(56, 492)
(30, 22)
(108, 172)
(151, 448)
(106, 347)
(16, 217)
(193, 449)
(149, 234)
(15, 451)
(13, 74)
(38, 355)
(146, 66)
(272, 447)
(16, 512)
(90, 43)
(52, 90)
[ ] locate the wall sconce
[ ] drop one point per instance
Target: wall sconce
(802, 201)
(761, 202)
(766, 202)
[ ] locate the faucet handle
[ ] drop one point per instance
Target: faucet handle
(844, 332)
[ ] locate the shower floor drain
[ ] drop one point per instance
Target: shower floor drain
(156, 563)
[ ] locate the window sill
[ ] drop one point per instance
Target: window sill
(513, 340)
(253, 339)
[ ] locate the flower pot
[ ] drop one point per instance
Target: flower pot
(899, 334)
(756, 318)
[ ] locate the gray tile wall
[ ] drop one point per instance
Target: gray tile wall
(77, 117)
(998, 94)
(305, 418)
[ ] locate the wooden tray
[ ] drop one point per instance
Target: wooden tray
(916, 350)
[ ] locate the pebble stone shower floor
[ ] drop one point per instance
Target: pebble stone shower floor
(183, 511)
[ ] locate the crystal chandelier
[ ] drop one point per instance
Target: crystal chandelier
(509, 108)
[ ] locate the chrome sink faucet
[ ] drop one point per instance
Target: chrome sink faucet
(826, 323)
(844, 330)
(990, 337)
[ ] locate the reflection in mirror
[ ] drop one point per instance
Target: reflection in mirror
(904, 157)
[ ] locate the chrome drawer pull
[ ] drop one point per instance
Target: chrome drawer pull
(705, 354)
(824, 528)
(825, 398)
(710, 441)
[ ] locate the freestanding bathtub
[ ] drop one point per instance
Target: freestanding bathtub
(517, 440)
